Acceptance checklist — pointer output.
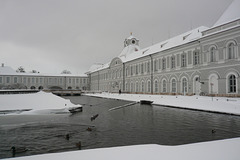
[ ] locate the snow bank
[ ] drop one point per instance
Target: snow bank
(215, 150)
(38, 103)
(203, 103)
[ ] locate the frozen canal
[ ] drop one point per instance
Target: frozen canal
(136, 124)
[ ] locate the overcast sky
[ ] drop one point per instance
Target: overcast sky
(52, 35)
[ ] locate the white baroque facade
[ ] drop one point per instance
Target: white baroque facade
(10, 79)
(201, 61)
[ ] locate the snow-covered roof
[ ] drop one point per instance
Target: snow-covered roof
(97, 67)
(167, 44)
(128, 50)
(132, 52)
(230, 14)
(6, 70)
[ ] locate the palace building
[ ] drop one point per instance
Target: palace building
(10, 79)
(203, 61)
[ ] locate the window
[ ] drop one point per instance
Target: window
(136, 86)
(77, 80)
(8, 79)
(164, 86)
(183, 60)
(131, 70)
(149, 86)
(184, 85)
(148, 67)
(164, 63)
(33, 80)
(136, 69)
(126, 87)
(131, 86)
(174, 88)
(155, 65)
(84, 80)
(69, 80)
(55, 80)
(24, 80)
(173, 65)
(231, 51)
(232, 84)
(1, 81)
(212, 55)
(50, 80)
(196, 58)
(156, 86)
(159, 64)
(142, 86)
(15, 79)
(142, 68)
(36, 80)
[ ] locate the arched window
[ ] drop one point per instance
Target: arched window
(231, 51)
(126, 87)
(142, 86)
(174, 88)
(156, 86)
(184, 85)
(164, 86)
(212, 55)
(149, 86)
(131, 86)
(136, 86)
(232, 84)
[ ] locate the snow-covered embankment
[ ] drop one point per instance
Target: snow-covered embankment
(216, 150)
(35, 103)
(202, 103)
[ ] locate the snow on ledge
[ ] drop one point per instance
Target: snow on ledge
(215, 150)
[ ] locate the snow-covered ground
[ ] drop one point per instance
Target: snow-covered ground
(36, 103)
(204, 103)
(215, 150)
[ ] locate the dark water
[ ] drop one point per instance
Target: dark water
(137, 124)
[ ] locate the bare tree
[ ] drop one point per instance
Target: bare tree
(20, 69)
(66, 72)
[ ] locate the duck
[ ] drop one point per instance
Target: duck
(89, 129)
(79, 145)
(94, 117)
(67, 136)
(213, 131)
(18, 150)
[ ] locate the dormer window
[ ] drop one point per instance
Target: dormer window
(162, 45)
(184, 37)
(133, 42)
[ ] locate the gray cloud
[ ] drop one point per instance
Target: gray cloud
(53, 35)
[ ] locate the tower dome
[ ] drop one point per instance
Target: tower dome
(131, 40)
(131, 44)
